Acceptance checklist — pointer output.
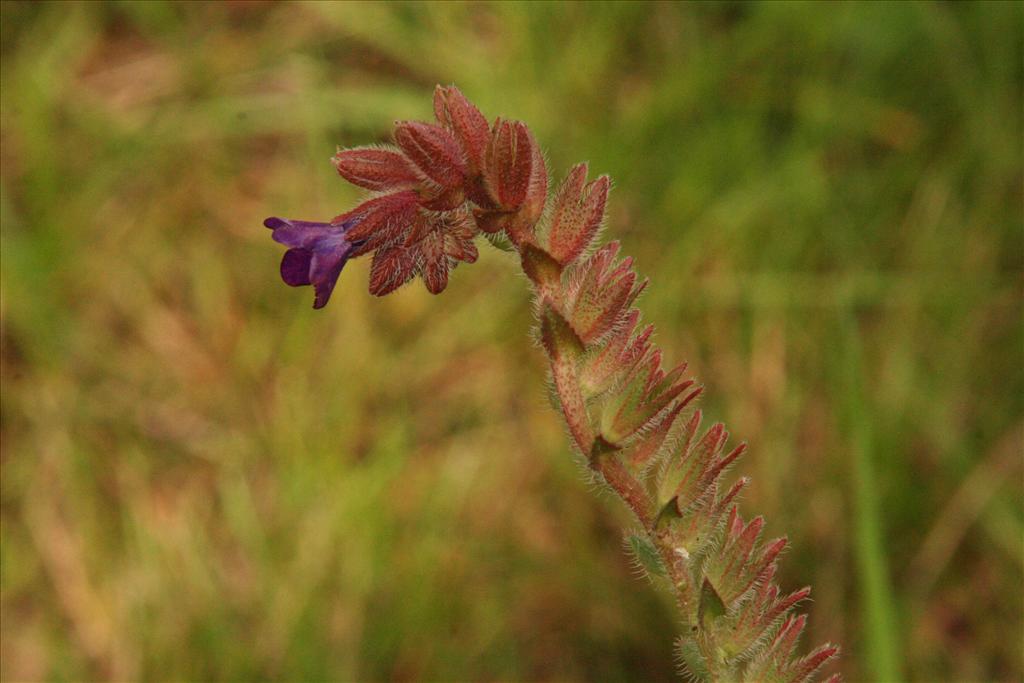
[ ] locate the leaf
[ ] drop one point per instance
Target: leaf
(577, 215)
(646, 555)
(691, 658)
(499, 241)
(381, 213)
(711, 605)
(376, 168)
(544, 271)
(557, 335)
(458, 114)
(509, 163)
(434, 150)
(392, 267)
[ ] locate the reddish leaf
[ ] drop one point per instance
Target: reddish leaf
(786, 639)
(537, 194)
(601, 368)
(603, 294)
(419, 228)
(597, 313)
(392, 267)
(467, 252)
(435, 275)
(460, 248)
(376, 213)
(376, 168)
(434, 150)
(381, 221)
(652, 440)
(455, 112)
(509, 163)
(570, 191)
(434, 263)
(387, 235)
(578, 213)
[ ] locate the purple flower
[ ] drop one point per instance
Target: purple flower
(317, 253)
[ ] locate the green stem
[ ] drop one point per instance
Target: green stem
(879, 606)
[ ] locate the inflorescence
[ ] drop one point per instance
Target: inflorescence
(432, 193)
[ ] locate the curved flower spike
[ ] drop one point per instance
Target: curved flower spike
(442, 187)
(317, 253)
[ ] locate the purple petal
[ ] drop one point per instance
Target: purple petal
(328, 260)
(275, 222)
(303, 234)
(318, 253)
(295, 267)
(300, 234)
(327, 277)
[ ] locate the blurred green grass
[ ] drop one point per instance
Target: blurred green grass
(204, 479)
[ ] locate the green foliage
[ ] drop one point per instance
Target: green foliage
(193, 463)
(646, 555)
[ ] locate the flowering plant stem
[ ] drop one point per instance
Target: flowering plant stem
(446, 183)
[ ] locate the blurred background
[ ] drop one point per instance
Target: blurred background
(204, 479)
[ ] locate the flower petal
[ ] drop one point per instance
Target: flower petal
(297, 234)
(318, 252)
(325, 267)
(295, 267)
